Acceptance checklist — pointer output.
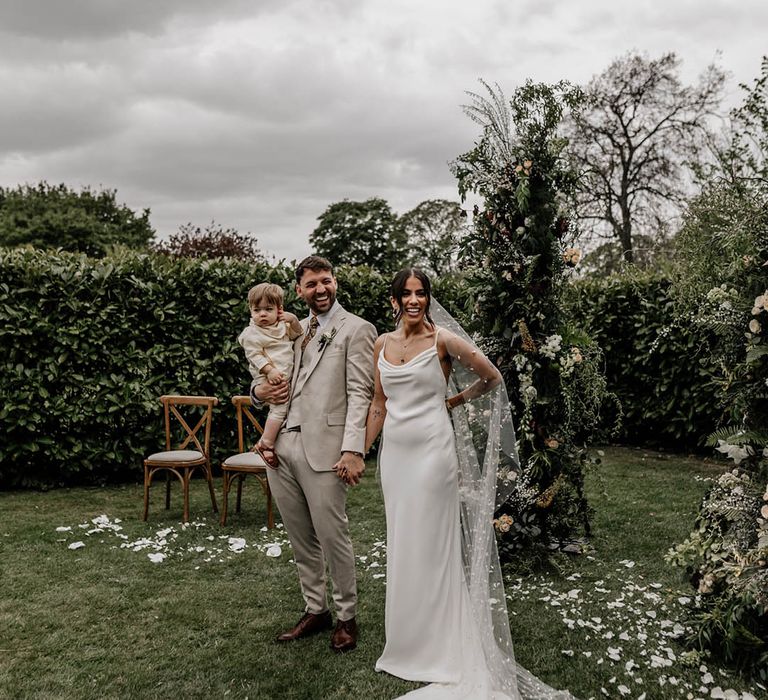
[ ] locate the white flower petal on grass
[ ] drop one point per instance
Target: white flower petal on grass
(379, 575)
(623, 690)
(748, 696)
(156, 557)
(76, 545)
(236, 544)
(63, 529)
(717, 692)
(274, 550)
(566, 652)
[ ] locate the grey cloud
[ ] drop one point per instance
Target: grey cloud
(261, 114)
(77, 20)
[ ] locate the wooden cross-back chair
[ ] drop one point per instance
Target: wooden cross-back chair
(246, 462)
(181, 461)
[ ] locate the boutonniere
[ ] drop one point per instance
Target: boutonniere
(326, 338)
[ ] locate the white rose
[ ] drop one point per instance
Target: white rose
(754, 326)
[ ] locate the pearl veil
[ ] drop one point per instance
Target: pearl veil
(488, 471)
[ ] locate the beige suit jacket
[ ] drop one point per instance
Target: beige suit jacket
(337, 388)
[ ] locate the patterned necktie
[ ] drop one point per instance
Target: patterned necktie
(311, 331)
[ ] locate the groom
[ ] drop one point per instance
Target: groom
(330, 392)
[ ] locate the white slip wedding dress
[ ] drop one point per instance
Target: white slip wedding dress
(431, 633)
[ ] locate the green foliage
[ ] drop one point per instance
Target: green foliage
(725, 559)
(661, 367)
(723, 282)
(516, 268)
(89, 346)
(53, 216)
(361, 233)
(214, 241)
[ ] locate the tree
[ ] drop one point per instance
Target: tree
(722, 285)
(53, 216)
(741, 151)
(640, 128)
(433, 229)
(214, 241)
(361, 233)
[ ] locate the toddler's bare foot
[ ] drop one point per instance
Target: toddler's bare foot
(267, 453)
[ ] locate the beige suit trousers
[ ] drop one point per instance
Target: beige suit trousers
(313, 508)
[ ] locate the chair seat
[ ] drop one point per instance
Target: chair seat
(244, 460)
(177, 456)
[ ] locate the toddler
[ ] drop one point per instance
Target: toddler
(268, 344)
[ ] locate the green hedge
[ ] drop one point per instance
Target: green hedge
(89, 345)
(658, 365)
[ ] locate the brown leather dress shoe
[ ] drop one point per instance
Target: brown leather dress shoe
(344, 637)
(308, 625)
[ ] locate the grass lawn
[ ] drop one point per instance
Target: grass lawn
(104, 621)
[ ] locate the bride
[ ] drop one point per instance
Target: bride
(444, 463)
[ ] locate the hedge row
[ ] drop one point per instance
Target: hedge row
(89, 345)
(657, 364)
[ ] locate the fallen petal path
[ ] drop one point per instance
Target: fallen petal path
(635, 640)
(630, 625)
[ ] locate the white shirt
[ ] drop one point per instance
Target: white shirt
(324, 319)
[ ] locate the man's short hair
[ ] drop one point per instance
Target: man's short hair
(266, 291)
(314, 263)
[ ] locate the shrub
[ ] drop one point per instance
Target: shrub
(661, 367)
(90, 345)
(723, 283)
(213, 241)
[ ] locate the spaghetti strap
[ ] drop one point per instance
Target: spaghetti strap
(437, 330)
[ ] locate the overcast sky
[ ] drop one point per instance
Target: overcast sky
(260, 113)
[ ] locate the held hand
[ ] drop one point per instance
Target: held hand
(275, 376)
(273, 394)
(350, 468)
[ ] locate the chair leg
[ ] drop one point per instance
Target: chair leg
(167, 490)
(240, 480)
(185, 483)
(209, 477)
(147, 481)
(225, 498)
(270, 514)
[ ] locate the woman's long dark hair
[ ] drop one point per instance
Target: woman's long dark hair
(397, 290)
